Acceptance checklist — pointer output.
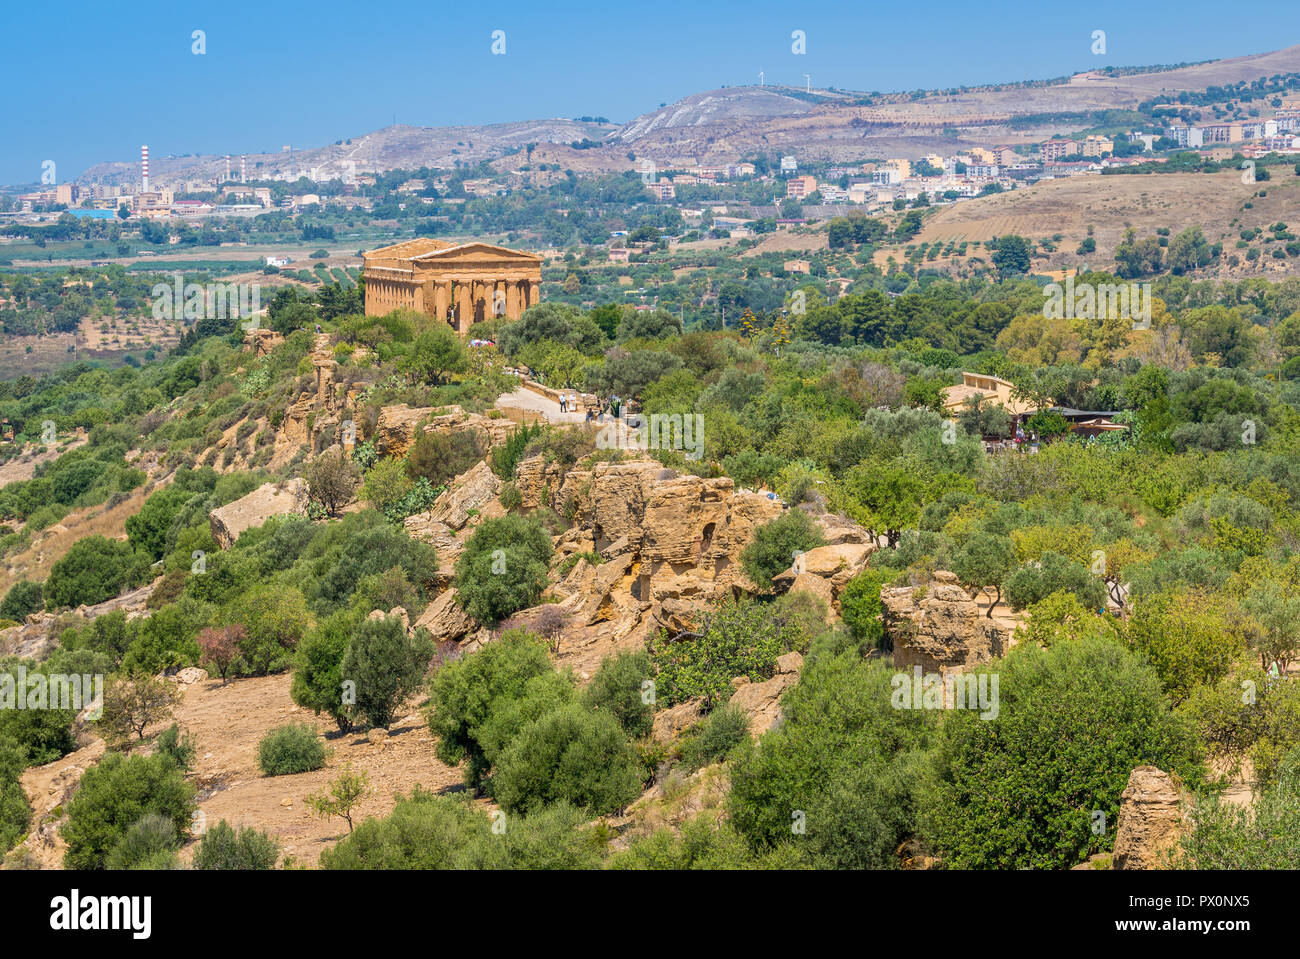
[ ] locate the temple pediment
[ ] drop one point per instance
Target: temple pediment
(476, 253)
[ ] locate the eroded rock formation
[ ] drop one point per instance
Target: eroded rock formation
(1150, 820)
(939, 627)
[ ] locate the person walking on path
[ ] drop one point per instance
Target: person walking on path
(564, 403)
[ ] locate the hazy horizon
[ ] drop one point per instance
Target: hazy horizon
(309, 78)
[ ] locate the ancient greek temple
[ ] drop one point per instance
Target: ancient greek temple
(461, 283)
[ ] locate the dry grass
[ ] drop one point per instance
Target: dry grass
(52, 544)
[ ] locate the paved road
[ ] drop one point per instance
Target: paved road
(522, 399)
(621, 438)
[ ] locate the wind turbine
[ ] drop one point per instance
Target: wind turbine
(808, 80)
(760, 78)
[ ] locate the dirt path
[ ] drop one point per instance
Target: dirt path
(522, 399)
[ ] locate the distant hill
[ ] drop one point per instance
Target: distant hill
(394, 147)
(728, 123)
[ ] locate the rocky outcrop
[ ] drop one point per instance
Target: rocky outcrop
(471, 496)
(604, 594)
(316, 418)
(37, 636)
(189, 676)
(825, 570)
(444, 619)
(469, 492)
(939, 627)
(1150, 820)
(397, 612)
(397, 426)
(761, 702)
(539, 480)
(261, 341)
(269, 499)
(672, 722)
(440, 536)
(665, 548)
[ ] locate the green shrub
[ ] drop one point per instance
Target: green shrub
(1187, 637)
(862, 609)
(735, 639)
(386, 483)
(1263, 835)
(706, 841)
(844, 766)
(505, 458)
(386, 665)
(503, 568)
(113, 796)
(439, 457)
(465, 691)
(290, 749)
(15, 813)
(715, 736)
(24, 597)
(149, 844)
(222, 847)
(1020, 791)
(510, 497)
(1031, 584)
(572, 755)
(619, 688)
(177, 746)
(275, 619)
(363, 545)
(776, 545)
(509, 716)
(96, 568)
(43, 734)
(317, 672)
(426, 831)
(149, 529)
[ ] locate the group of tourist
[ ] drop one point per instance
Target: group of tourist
(596, 411)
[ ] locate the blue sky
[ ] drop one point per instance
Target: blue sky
(89, 81)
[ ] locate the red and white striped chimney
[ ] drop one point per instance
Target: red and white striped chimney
(144, 169)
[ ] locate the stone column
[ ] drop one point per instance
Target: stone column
(534, 292)
(512, 299)
(465, 299)
(441, 297)
(481, 296)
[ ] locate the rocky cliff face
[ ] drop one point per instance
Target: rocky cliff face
(1150, 820)
(670, 544)
(939, 627)
(826, 570)
(254, 509)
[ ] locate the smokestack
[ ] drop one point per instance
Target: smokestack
(144, 169)
(243, 169)
(227, 179)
